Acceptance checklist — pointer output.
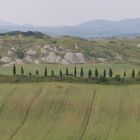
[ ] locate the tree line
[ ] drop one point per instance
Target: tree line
(90, 74)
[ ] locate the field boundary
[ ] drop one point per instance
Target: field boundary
(26, 115)
(90, 111)
(68, 79)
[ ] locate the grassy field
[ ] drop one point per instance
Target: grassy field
(117, 68)
(60, 111)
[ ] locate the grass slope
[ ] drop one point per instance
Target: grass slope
(59, 111)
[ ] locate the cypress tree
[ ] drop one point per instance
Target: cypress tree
(124, 74)
(110, 73)
(89, 74)
(96, 73)
(52, 73)
(133, 73)
(104, 73)
(30, 74)
(139, 73)
(60, 74)
(37, 72)
(67, 71)
(14, 69)
(45, 72)
(82, 72)
(22, 70)
(75, 72)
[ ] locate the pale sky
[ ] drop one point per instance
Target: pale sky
(66, 12)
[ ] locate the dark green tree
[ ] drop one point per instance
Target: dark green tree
(82, 72)
(45, 72)
(96, 73)
(89, 74)
(75, 72)
(37, 72)
(60, 74)
(30, 74)
(67, 71)
(133, 73)
(22, 70)
(20, 54)
(124, 74)
(139, 73)
(52, 73)
(104, 73)
(14, 69)
(110, 73)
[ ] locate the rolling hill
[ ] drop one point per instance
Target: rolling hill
(37, 48)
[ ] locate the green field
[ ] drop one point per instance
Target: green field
(117, 68)
(60, 111)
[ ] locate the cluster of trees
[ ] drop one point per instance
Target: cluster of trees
(90, 73)
(28, 33)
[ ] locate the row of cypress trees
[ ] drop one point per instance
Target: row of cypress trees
(90, 73)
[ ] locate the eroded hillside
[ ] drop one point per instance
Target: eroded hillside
(20, 48)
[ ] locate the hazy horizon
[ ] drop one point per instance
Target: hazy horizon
(66, 12)
(30, 24)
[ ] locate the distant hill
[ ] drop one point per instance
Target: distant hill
(28, 33)
(90, 29)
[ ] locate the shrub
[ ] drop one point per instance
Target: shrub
(117, 77)
(20, 54)
(102, 79)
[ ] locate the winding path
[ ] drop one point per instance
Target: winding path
(89, 115)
